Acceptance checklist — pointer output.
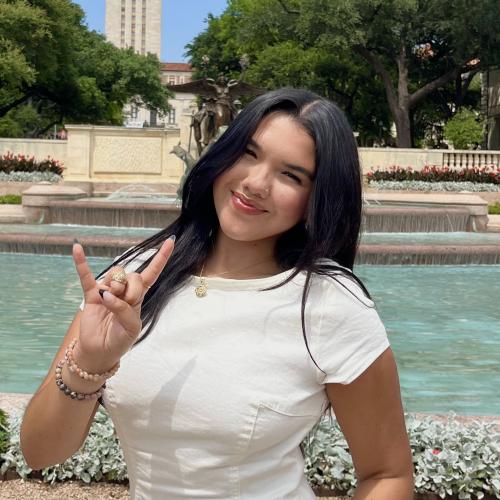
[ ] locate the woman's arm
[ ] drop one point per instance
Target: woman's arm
(370, 414)
(55, 426)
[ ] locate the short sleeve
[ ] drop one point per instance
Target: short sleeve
(351, 335)
(130, 266)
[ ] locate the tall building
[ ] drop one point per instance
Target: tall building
(135, 23)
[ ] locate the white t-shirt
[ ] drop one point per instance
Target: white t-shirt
(214, 403)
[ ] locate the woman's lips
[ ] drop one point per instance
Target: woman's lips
(240, 205)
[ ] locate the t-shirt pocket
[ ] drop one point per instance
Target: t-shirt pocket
(281, 426)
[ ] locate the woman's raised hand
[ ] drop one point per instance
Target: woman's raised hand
(110, 324)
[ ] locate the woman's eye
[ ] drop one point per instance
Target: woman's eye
(250, 152)
(294, 177)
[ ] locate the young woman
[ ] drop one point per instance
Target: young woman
(234, 342)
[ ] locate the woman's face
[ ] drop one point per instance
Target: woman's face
(265, 193)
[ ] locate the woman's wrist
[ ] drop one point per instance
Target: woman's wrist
(83, 374)
(77, 384)
(91, 364)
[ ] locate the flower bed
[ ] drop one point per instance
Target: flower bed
(474, 187)
(434, 178)
(21, 168)
(451, 460)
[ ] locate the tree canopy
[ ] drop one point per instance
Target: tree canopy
(53, 69)
(380, 59)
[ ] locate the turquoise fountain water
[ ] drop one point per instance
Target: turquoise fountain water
(443, 324)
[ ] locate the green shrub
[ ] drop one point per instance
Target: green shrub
(464, 129)
(11, 199)
(494, 209)
(10, 163)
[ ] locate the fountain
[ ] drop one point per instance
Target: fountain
(140, 193)
(442, 305)
(134, 205)
(111, 224)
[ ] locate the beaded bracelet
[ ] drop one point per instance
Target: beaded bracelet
(74, 368)
(73, 394)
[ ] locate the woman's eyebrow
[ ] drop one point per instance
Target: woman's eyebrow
(301, 170)
(291, 166)
(251, 142)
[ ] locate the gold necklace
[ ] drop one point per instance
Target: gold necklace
(202, 288)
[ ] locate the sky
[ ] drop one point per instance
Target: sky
(182, 21)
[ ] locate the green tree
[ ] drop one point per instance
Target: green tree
(262, 31)
(51, 63)
(464, 130)
(414, 46)
(408, 48)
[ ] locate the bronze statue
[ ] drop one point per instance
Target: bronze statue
(218, 107)
(189, 162)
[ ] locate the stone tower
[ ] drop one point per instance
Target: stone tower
(135, 23)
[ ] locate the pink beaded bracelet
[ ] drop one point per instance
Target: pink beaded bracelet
(74, 368)
(73, 394)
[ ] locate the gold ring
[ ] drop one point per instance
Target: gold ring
(120, 276)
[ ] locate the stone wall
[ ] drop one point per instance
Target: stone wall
(39, 148)
(120, 155)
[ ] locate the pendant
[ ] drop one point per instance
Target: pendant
(201, 289)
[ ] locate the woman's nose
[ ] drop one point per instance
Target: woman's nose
(259, 187)
(257, 183)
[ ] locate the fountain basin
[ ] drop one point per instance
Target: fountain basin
(438, 211)
(103, 212)
(36, 199)
(112, 213)
(143, 206)
(441, 325)
(375, 248)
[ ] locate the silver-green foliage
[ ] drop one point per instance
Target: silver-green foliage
(100, 457)
(434, 186)
(328, 463)
(29, 177)
(449, 458)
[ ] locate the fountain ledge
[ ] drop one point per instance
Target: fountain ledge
(111, 246)
(46, 244)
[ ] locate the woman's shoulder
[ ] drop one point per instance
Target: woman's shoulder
(340, 286)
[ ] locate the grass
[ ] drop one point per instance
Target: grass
(494, 209)
(11, 199)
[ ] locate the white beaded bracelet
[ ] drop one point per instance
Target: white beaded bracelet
(74, 368)
(73, 394)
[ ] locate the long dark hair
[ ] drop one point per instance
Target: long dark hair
(330, 232)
